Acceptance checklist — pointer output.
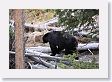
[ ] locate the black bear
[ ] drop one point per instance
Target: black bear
(59, 40)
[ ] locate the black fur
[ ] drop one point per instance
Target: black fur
(60, 40)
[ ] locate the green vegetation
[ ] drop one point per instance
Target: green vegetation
(73, 18)
(71, 63)
(67, 17)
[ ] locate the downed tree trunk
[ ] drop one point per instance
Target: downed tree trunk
(38, 67)
(39, 49)
(88, 46)
(37, 58)
(41, 61)
(42, 55)
(42, 27)
(48, 50)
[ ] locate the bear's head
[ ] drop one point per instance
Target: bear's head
(45, 38)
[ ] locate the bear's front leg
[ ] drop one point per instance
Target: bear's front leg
(53, 49)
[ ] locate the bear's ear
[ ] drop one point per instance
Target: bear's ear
(45, 38)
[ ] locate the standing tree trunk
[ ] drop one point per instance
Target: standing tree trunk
(19, 38)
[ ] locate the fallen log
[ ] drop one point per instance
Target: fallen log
(42, 27)
(88, 46)
(39, 54)
(43, 55)
(29, 65)
(41, 61)
(48, 50)
(39, 49)
(37, 58)
(39, 66)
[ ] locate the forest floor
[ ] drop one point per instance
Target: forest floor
(84, 56)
